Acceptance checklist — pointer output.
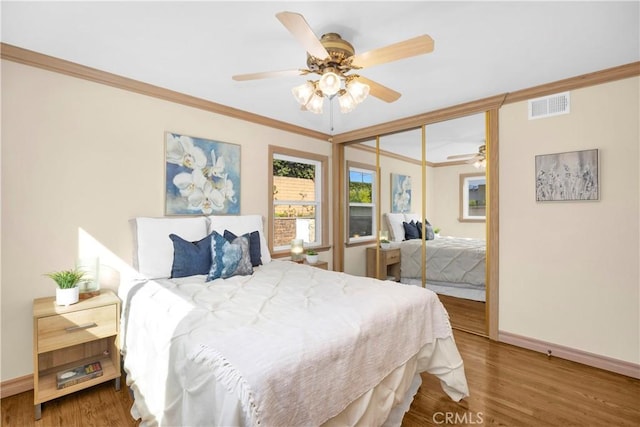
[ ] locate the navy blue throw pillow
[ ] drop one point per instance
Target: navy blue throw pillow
(428, 228)
(254, 245)
(410, 230)
(190, 258)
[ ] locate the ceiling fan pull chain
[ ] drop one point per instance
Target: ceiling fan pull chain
(331, 114)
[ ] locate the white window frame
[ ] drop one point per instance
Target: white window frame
(320, 181)
(465, 180)
(359, 167)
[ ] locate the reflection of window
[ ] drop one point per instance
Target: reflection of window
(298, 190)
(473, 197)
(362, 202)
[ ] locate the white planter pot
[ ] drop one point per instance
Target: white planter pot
(385, 245)
(67, 296)
(312, 259)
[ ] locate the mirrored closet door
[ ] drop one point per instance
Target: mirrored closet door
(457, 195)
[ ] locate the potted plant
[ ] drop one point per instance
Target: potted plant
(436, 231)
(312, 256)
(385, 244)
(68, 291)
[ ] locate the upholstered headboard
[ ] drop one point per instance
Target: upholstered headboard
(153, 249)
(394, 224)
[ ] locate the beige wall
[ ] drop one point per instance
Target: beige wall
(79, 160)
(569, 271)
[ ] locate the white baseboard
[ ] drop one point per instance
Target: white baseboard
(16, 386)
(603, 362)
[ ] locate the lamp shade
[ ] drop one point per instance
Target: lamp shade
(329, 83)
(359, 91)
(297, 250)
(315, 104)
(303, 93)
(347, 104)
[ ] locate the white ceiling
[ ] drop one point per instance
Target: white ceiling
(481, 48)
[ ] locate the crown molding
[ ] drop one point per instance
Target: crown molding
(57, 65)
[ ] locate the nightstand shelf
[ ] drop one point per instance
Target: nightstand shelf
(65, 337)
(389, 264)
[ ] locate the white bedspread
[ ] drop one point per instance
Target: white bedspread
(449, 260)
(292, 344)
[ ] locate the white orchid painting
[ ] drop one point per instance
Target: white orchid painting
(400, 193)
(202, 176)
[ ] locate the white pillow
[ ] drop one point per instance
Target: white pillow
(241, 224)
(152, 247)
(394, 224)
(408, 217)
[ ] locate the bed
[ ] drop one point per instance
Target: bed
(287, 344)
(454, 265)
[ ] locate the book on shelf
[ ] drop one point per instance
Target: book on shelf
(78, 374)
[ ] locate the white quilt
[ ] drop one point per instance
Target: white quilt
(449, 260)
(289, 345)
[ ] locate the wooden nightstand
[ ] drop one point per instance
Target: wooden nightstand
(389, 263)
(320, 264)
(71, 336)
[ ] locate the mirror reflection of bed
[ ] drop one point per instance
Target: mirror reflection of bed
(454, 267)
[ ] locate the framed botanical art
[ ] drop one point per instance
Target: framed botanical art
(400, 193)
(567, 176)
(201, 176)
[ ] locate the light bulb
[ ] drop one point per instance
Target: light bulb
(329, 83)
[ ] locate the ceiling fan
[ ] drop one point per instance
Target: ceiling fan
(478, 159)
(334, 59)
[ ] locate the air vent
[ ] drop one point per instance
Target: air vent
(547, 106)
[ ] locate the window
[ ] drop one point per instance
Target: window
(298, 196)
(362, 202)
(473, 197)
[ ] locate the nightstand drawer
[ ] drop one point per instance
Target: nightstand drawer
(393, 256)
(67, 329)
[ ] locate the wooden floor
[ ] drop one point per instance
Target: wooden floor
(465, 314)
(509, 386)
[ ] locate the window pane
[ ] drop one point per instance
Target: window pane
(293, 181)
(296, 195)
(288, 228)
(477, 197)
(360, 221)
(360, 187)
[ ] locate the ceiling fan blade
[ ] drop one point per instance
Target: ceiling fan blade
(412, 47)
(380, 91)
(267, 75)
(297, 25)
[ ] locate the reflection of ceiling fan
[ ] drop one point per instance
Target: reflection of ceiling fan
(333, 58)
(478, 159)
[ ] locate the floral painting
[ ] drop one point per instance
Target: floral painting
(400, 193)
(567, 176)
(202, 176)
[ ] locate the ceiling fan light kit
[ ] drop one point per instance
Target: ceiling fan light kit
(332, 58)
